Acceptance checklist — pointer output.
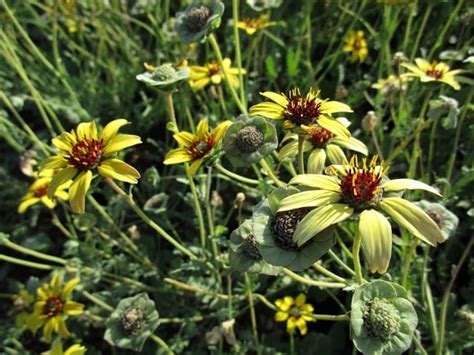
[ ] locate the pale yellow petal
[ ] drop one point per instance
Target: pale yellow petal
(119, 170)
(195, 165)
(54, 162)
(176, 156)
(408, 184)
(202, 128)
(119, 142)
(312, 198)
(351, 143)
(268, 109)
(219, 131)
(68, 287)
(78, 191)
(48, 329)
(335, 154)
(300, 300)
(60, 178)
(334, 126)
(277, 98)
(317, 181)
(86, 130)
(316, 161)
(184, 138)
(329, 107)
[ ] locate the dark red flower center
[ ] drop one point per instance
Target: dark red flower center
(357, 44)
(53, 306)
(200, 148)
(302, 111)
(41, 191)
(86, 154)
(320, 136)
(214, 69)
(436, 74)
(360, 186)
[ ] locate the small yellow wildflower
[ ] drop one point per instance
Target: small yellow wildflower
(211, 73)
(195, 148)
(57, 349)
(52, 307)
(391, 84)
(250, 26)
(356, 44)
(435, 71)
(295, 313)
(38, 192)
(296, 110)
(83, 153)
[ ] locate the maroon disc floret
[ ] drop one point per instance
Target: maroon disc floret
(86, 154)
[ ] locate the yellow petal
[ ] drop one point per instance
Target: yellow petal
(202, 128)
(288, 301)
(57, 348)
(199, 84)
(78, 191)
(376, 240)
(268, 109)
(319, 219)
(111, 129)
(196, 164)
(60, 178)
(351, 144)
(26, 203)
(48, 202)
(86, 130)
(119, 142)
(288, 150)
(176, 156)
(55, 284)
(54, 162)
(48, 329)
(219, 131)
(75, 349)
(291, 325)
(300, 300)
(65, 141)
(61, 327)
(451, 82)
(414, 69)
(334, 126)
(408, 184)
(316, 161)
(335, 154)
(280, 303)
(308, 199)
(423, 64)
(301, 324)
(277, 98)
(281, 316)
(72, 308)
(119, 170)
(68, 287)
(184, 138)
(317, 181)
(413, 218)
(333, 107)
(308, 308)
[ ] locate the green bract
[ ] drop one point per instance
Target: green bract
(383, 320)
(198, 20)
(164, 78)
(275, 235)
(244, 252)
(132, 322)
(249, 139)
(446, 220)
(260, 5)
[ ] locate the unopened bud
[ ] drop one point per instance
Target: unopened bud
(27, 162)
(216, 199)
(341, 92)
(133, 232)
(239, 199)
(399, 57)
(369, 121)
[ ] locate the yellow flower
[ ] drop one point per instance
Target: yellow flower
(435, 71)
(52, 307)
(250, 26)
(38, 192)
(322, 144)
(57, 349)
(356, 44)
(84, 152)
(296, 110)
(360, 189)
(212, 73)
(195, 148)
(295, 313)
(391, 84)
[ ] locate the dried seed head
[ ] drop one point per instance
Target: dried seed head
(284, 225)
(250, 247)
(249, 139)
(369, 121)
(196, 18)
(132, 320)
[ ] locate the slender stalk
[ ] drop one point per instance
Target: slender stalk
(431, 147)
(236, 176)
(238, 56)
(197, 207)
(447, 291)
(129, 200)
(97, 301)
(292, 343)
(57, 222)
(217, 52)
(253, 318)
(210, 219)
(300, 154)
(11, 259)
(271, 174)
(427, 296)
(161, 343)
(21, 249)
(328, 273)
(408, 260)
(420, 31)
(418, 345)
(170, 110)
(306, 281)
(341, 263)
(356, 255)
(194, 289)
(376, 143)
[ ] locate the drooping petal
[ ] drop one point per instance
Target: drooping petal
(111, 129)
(277, 98)
(351, 144)
(68, 287)
(268, 109)
(335, 154)
(48, 202)
(27, 203)
(176, 156)
(60, 178)
(119, 142)
(423, 64)
(72, 308)
(319, 219)
(65, 141)
(376, 240)
(48, 329)
(75, 349)
(408, 184)
(57, 348)
(448, 79)
(288, 150)
(413, 218)
(119, 170)
(301, 324)
(308, 199)
(334, 126)
(316, 160)
(61, 327)
(78, 191)
(317, 181)
(195, 165)
(199, 84)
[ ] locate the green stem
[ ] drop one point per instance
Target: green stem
(444, 302)
(253, 318)
(129, 200)
(292, 344)
(300, 154)
(328, 273)
(431, 147)
(419, 346)
(408, 261)
(271, 174)
(28, 251)
(210, 220)
(97, 301)
(170, 110)
(161, 343)
(306, 281)
(420, 32)
(238, 56)
(197, 207)
(356, 256)
(11, 259)
(341, 263)
(236, 176)
(427, 296)
(217, 52)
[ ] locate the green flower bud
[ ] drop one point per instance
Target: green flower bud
(164, 78)
(381, 319)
